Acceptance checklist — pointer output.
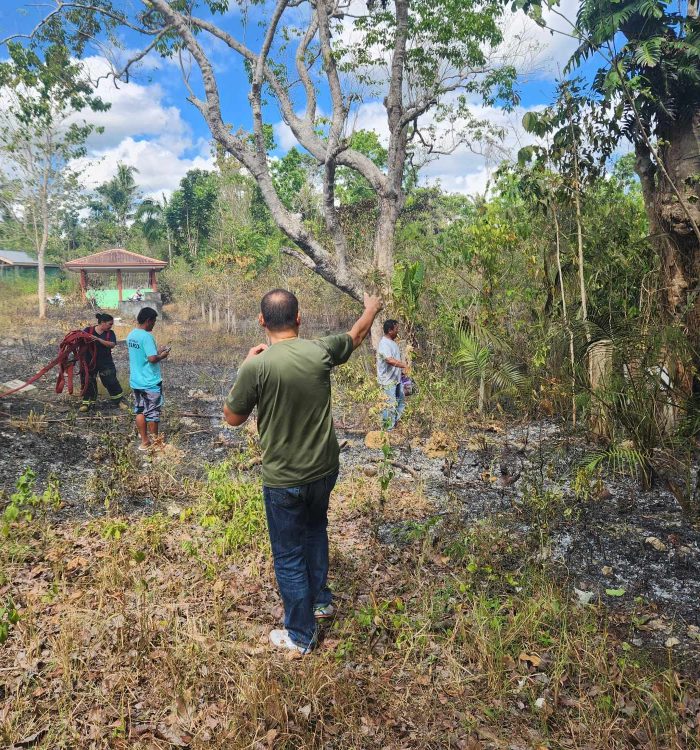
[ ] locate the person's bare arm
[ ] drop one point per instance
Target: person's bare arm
(108, 344)
(235, 420)
(396, 363)
(163, 353)
(363, 324)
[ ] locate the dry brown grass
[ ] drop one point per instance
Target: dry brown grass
(149, 632)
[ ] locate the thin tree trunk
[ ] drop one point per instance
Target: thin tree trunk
(572, 354)
(482, 395)
(579, 240)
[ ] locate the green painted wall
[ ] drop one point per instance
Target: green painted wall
(108, 299)
(7, 272)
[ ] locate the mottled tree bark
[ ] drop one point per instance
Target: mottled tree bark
(671, 222)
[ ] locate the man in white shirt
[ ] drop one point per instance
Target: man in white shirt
(389, 367)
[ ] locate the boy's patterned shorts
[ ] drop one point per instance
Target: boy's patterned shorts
(148, 403)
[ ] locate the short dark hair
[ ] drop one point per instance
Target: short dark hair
(104, 318)
(279, 309)
(389, 324)
(146, 313)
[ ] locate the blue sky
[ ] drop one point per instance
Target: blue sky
(152, 127)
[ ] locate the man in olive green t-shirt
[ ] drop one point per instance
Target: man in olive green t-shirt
(289, 382)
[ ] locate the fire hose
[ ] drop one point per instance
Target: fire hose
(76, 349)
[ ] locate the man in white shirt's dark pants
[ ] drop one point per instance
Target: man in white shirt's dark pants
(389, 366)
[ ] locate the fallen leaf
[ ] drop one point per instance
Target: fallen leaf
(271, 736)
(138, 730)
(32, 738)
(656, 543)
(533, 659)
(173, 736)
(615, 592)
(606, 570)
(77, 562)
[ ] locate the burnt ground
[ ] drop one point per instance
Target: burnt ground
(636, 544)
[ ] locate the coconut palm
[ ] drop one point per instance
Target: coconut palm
(117, 198)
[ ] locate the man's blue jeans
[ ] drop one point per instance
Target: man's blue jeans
(297, 519)
(395, 404)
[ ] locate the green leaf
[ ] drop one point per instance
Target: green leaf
(615, 592)
(531, 122)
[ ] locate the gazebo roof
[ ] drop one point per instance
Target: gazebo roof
(114, 259)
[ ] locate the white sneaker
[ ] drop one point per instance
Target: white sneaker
(280, 639)
(324, 611)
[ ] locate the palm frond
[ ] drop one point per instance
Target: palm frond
(473, 357)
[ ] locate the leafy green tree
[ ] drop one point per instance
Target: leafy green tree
(649, 81)
(289, 178)
(149, 220)
(353, 187)
(41, 133)
(486, 361)
(190, 213)
(439, 55)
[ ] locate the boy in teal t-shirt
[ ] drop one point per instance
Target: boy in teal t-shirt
(145, 376)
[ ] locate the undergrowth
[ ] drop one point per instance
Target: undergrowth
(151, 631)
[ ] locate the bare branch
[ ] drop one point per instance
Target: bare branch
(61, 6)
(304, 76)
(303, 259)
(256, 162)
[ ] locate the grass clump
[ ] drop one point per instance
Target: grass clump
(233, 509)
(152, 631)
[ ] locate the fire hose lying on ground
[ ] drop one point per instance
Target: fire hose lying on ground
(76, 350)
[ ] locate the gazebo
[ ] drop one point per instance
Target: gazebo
(125, 273)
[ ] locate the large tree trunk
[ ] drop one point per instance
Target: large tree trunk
(671, 223)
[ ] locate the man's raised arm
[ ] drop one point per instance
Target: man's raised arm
(363, 324)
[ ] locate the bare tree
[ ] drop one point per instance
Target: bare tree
(426, 60)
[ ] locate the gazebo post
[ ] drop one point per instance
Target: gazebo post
(83, 283)
(152, 280)
(120, 286)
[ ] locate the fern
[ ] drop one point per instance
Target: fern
(617, 459)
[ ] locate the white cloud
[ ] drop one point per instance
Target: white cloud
(284, 137)
(466, 170)
(140, 130)
(160, 168)
(554, 42)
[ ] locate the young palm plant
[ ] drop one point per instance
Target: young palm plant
(483, 357)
